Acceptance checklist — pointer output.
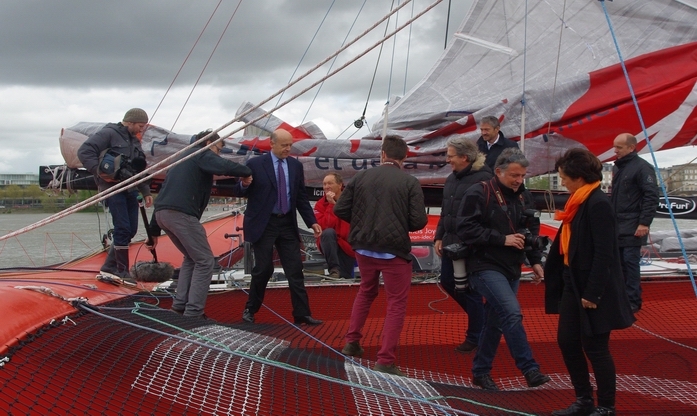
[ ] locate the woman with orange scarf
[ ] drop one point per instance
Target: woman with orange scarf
(584, 284)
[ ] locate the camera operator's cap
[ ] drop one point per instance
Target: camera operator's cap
(136, 115)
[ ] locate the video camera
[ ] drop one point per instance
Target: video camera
(532, 242)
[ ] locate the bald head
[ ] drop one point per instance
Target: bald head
(624, 144)
(281, 142)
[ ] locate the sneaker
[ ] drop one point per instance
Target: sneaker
(485, 382)
(466, 347)
(603, 411)
(389, 369)
(353, 349)
(535, 378)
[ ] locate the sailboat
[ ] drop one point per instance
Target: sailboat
(550, 71)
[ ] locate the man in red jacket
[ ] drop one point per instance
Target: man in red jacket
(333, 243)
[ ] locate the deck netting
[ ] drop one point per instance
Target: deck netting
(137, 357)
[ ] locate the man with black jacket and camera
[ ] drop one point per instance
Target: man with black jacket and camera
(497, 225)
(118, 144)
(469, 168)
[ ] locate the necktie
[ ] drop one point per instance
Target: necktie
(282, 194)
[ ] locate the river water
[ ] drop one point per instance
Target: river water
(74, 236)
(81, 234)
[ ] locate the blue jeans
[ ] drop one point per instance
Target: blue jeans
(503, 316)
(470, 301)
(631, 256)
(124, 213)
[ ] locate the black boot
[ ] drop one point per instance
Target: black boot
(109, 265)
(583, 406)
(122, 264)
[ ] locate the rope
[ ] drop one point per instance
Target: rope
(220, 38)
(650, 146)
(163, 165)
(406, 69)
(305, 53)
(394, 47)
(185, 60)
(375, 71)
(334, 61)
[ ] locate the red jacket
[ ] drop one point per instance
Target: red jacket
(324, 212)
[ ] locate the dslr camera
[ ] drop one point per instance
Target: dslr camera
(455, 251)
(532, 242)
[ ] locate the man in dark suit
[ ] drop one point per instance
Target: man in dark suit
(270, 220)
(492, 141)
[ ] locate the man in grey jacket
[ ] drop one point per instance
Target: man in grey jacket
(119, 139)
(382, 205)
(634, 198)
(178, 209)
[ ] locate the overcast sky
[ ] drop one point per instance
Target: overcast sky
(63, 62)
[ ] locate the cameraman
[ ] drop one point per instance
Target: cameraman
(490, 223)
(119, 138)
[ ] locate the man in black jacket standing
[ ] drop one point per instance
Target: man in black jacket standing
(494, 224)
(382, 205)
(634, 198)
(468, 169)
(178, 209)
(119, 139)
(492, 142)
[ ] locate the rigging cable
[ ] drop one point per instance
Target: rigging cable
(650, 146)
(525, 77)
(333, 62)
(220, 38)
(185, 60)
(377, 63)
(406, 69)
(280, 97)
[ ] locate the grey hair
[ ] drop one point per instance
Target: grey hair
(463, 147)
(490, 120)
(511, 155)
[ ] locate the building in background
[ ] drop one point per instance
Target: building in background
(21, 179)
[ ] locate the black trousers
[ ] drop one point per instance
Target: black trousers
(576, 348)
(282, 233)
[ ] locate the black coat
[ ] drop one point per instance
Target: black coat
(634, 197)
(595, 266)
(483, 223)
(455, 186)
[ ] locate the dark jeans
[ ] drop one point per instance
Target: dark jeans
(279, 232)
(631, 256)
(503, 316)
(334, 255)
(123, 207)
(576, 347)
(470, 302)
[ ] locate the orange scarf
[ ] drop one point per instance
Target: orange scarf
(566, 216)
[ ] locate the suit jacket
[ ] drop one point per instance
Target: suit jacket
(262, 196)
(596, 272)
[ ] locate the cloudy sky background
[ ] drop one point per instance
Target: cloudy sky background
(64, 62)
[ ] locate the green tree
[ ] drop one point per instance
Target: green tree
(538, 182)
